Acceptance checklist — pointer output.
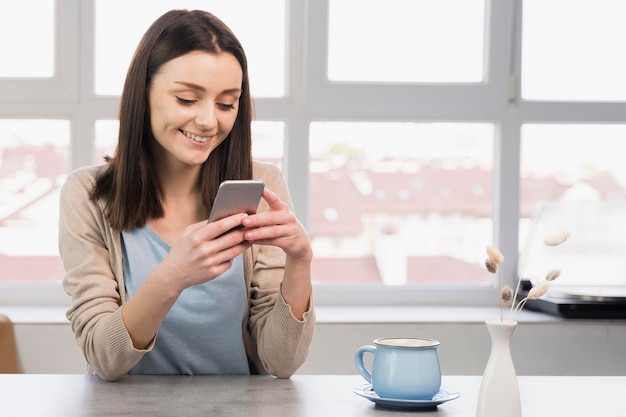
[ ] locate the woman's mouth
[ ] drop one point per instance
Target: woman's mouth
(196, 138)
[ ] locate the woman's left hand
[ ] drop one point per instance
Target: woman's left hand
(278, 227)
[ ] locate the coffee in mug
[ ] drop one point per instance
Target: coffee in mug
(403, 368)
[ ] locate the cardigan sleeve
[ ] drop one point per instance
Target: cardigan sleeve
(92, 278)
(282, 341)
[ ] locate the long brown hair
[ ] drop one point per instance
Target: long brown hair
(128, 185)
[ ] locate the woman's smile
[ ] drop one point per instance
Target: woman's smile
(195, 138)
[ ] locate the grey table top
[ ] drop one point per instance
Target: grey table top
(301, 396)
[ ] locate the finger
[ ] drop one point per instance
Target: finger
(227, 255)
(273, 200)
(223, 226)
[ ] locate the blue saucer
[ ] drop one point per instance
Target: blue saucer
(442, 396)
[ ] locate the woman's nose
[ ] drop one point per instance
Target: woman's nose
(206, 117)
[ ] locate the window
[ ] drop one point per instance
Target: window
(27, 56)
(574, 179)
(43, 66)
(412, 134)
(33, 164)
(571, 169)
(117, 35)
(406, 41)
(570, 50)
(400, 203)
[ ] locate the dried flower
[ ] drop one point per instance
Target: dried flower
(535, 292)
(491, 265)
(495, 254)
(556, 238)
(538, 290)
(506, 294)
(552, 275)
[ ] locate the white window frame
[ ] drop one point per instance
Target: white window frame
(310, 98)
(62, 86)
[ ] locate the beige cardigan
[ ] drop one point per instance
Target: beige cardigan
(276, 342)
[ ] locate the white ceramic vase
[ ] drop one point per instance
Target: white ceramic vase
(499, 391)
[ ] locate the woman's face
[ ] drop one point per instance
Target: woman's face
(194, 100)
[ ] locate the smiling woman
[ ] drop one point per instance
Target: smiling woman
(135, 228)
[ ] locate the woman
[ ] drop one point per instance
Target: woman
(139, 254)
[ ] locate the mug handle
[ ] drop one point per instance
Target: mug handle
(358, 361)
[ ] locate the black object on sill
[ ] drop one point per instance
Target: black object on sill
(601, 302)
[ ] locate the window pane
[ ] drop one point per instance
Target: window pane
(406, 40)
(574, 179)
(268, 142)
(31, 52)
(261, 30)
(573, 50)
(33, 164)
(106, 139)
(401, 203)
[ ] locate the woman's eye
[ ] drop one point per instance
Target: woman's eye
(225, 106)
(185, 101)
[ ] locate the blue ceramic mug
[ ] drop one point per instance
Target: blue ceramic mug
(403, 368)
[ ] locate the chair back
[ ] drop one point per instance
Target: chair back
(8, 349)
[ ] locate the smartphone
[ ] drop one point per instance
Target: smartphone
(236, 196)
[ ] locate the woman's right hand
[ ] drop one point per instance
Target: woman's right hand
(205, 250)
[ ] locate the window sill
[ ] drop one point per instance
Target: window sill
(422, 314)
(35, 315)
(334, 315)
